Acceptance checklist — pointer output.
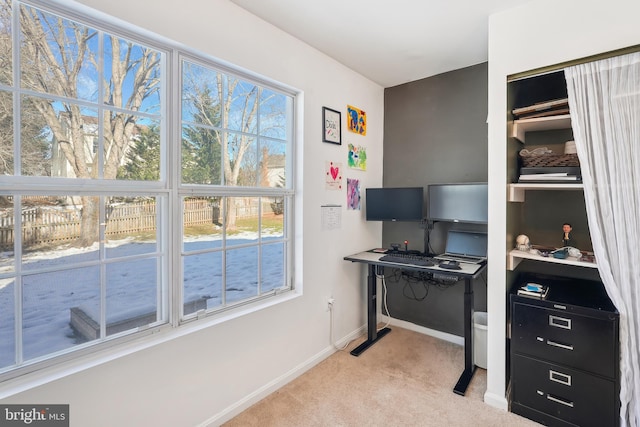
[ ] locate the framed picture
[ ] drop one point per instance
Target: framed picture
(331, 129)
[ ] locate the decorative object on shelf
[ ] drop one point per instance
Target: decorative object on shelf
(356, 120)
(570, 147)
(574, 252)
(548, 159)
(567, 238)
(523, 243)
(331, 126)
(543, 165)
(560, 253)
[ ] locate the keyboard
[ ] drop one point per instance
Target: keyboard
(409, 259)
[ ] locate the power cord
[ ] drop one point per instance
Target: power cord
(331, 331)
(386, 309)
(384, 300)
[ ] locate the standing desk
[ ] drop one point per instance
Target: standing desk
(468, 272)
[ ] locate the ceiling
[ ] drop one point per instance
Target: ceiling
(388, 41)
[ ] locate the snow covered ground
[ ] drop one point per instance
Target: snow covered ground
(131, 287)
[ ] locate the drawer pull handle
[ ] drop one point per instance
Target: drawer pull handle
(560, 401)
(559, 322)
(560, 377)
(557, 344)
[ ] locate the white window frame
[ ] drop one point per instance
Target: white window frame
(167, 189)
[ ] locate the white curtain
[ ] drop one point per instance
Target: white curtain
(604, 100)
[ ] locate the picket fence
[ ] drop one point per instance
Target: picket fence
(46, 226)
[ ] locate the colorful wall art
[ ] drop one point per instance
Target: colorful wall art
(356, 120)
(353, 194)
(333, 176)
(357, 157)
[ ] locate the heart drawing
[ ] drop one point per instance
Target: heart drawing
(334, 172)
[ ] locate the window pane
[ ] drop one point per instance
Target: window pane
(35, 136)
(6, 133)
(59, 230)
(132, 294)
(202, 223)
(273, 163)
(6, 50)
(202, 281)
(61, 143)
(241, 274)
(273, 114)
(242, 220)
(7, 322)
(139, 159)
(7, 224)
(58, 55)
(131, 147)
(272, 267)
(133, 75)
(243, 160)
(131, 226)
(241, 105)
(201, 155)
(201, 95)
(48, 301)
(272, 218)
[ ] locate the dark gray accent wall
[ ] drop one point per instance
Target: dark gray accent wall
(435, 131)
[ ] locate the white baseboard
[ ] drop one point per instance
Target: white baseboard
(455, 339)
(496, 400)
(264, 391)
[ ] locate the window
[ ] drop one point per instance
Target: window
(235, 150)
(97, 168)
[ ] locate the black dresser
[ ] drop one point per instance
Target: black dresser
(565, 354)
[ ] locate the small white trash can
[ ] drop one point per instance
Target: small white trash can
(480, 339)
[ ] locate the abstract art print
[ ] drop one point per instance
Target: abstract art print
(357, 158)
(356, 120)
(353, 194)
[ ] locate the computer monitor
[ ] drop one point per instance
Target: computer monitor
(460, 202)
(394, 204)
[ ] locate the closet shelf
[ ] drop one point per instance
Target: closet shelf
(520, 127)
(516, 256)
(517, 191)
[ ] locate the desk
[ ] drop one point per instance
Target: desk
(468, 272)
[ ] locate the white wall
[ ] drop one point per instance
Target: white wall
(211, 374)
(538, 34)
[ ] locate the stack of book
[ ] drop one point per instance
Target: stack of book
(533, 290)
(543, 109)
(555, 174)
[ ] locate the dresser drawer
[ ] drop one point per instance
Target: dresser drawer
(574, 396)
(565, 338)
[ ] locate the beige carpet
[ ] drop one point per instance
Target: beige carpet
(405, 379)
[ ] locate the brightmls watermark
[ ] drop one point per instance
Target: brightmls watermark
(34, 415)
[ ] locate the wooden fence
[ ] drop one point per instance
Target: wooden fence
(45, 225)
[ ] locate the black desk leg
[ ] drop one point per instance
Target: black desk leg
(469, 366)
(373, 334)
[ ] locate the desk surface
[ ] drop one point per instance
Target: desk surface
(369, 257)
